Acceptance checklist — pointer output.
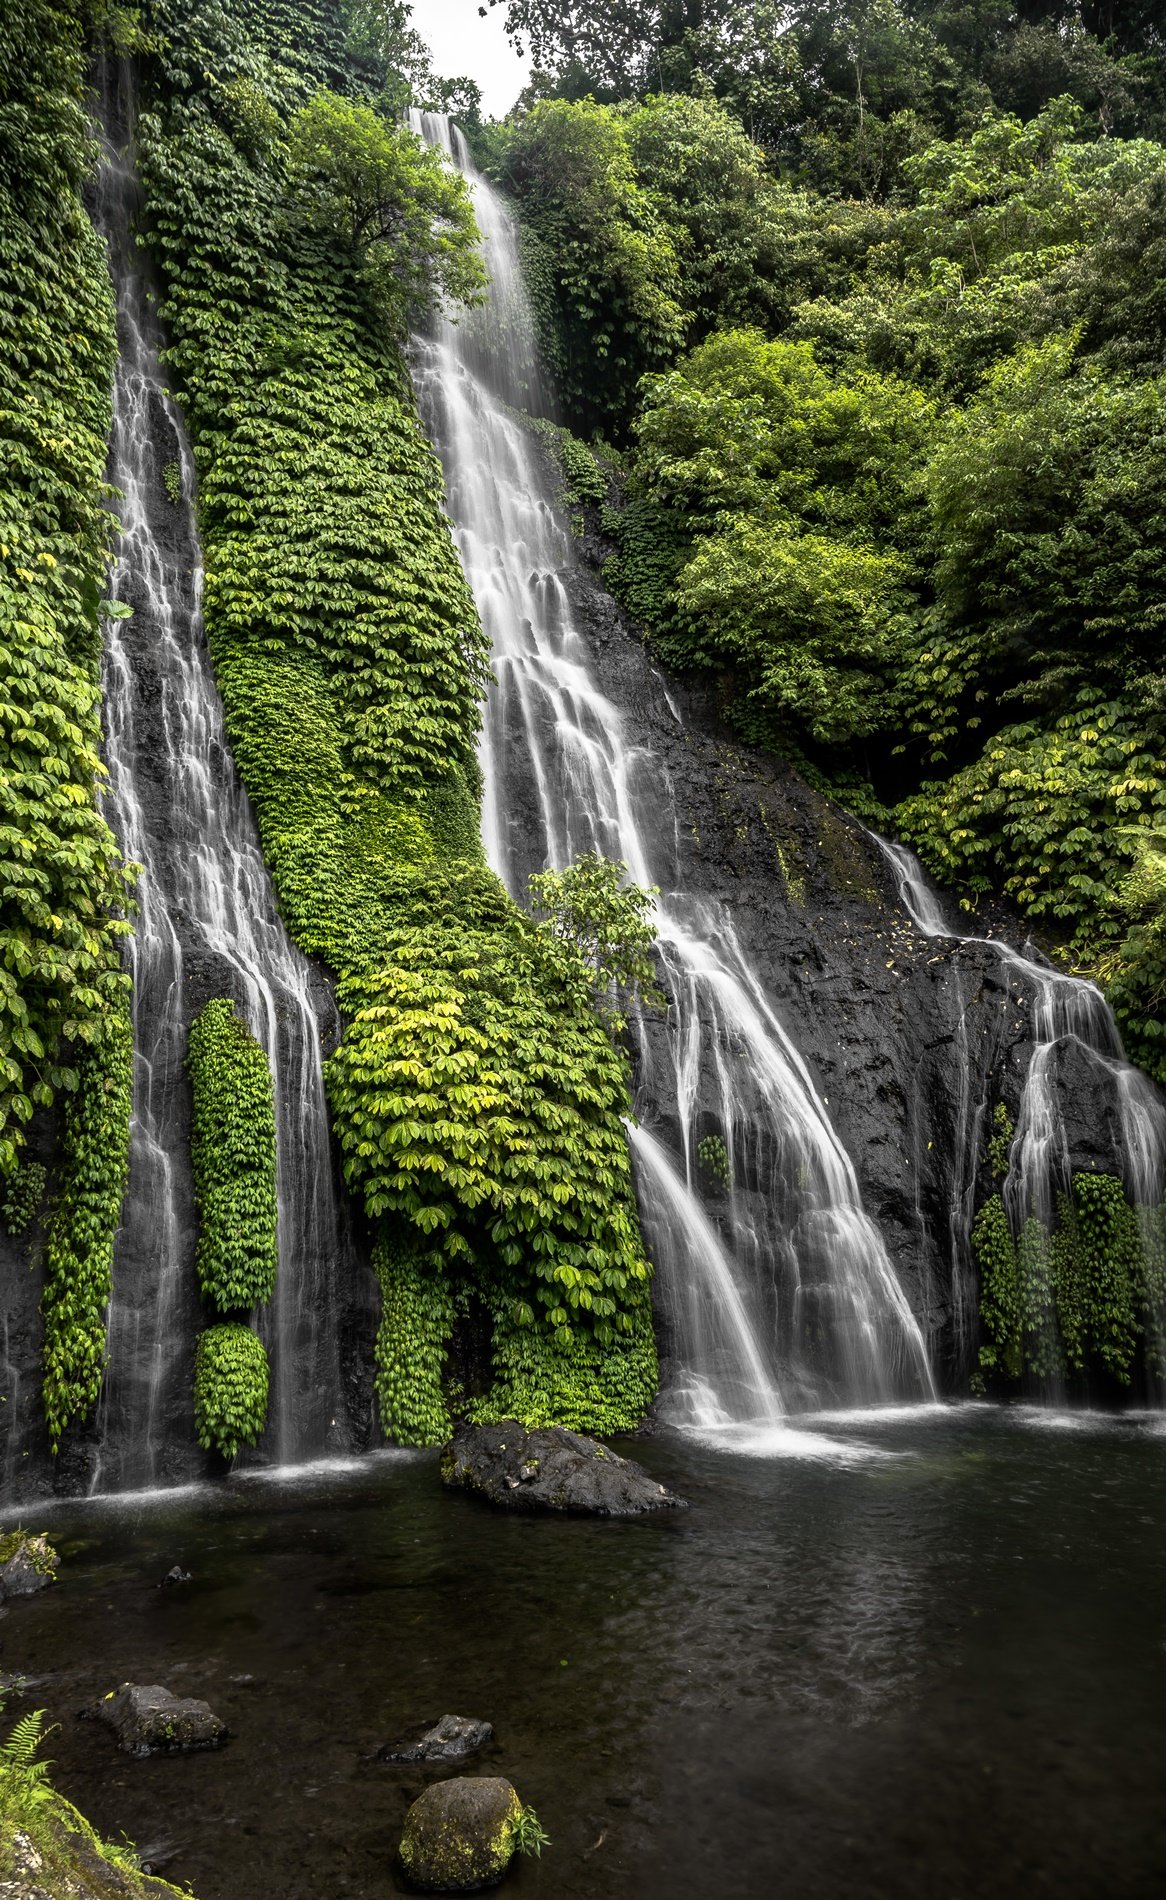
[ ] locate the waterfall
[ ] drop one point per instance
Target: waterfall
(1065, 1010)
(784, 1295)
(207, 925)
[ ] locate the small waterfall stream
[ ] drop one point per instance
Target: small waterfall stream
(1065, 1010)
(789, 1298)
(207, 925)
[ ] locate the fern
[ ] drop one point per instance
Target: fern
(27, 1779)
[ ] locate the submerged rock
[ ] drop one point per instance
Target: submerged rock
(148, 1720)
(451, 1738)
(550, 1470)
(28, 1563)
(460, 1835)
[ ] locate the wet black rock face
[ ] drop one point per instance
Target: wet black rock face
(550, 1470)
(912, 1041)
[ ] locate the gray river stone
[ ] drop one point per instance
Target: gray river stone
(459, 1835)
(550, 1470)
(148, 1720)
(451, 1738)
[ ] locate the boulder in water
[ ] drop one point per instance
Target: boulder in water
(550, 1470)
(148, 1720)
(28, 1563)
(450, 1738)
(460, 1835)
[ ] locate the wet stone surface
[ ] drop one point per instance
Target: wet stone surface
(451, 1738)
(147, 1719)
(550, 1470)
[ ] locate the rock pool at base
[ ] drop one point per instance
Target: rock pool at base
(550, 1470)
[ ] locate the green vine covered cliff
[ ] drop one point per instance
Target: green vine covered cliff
(64, 894)
(477, 1095)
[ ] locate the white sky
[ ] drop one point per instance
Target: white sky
(462, 43)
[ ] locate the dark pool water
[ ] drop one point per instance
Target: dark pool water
(938, 1671)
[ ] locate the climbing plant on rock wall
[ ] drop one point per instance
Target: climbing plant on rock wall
(64, 893)
(1086, 1295)
(477, 1097)
(233, 1155)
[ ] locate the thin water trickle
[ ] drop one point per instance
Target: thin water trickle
(1065, 1010)
(207, 925)
(788, 1295)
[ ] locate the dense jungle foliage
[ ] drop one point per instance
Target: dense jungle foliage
(873, 298)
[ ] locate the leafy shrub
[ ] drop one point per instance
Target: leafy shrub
(83, 1225)
(478, 1102)
(25, 1193)
(606, 261)
(565, 1376)
(405, 216)
(230, 1389)
(233, 1156)
(1089, 1294)
(416, 1320)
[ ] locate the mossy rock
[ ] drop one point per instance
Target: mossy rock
(460, 1835)
(28, 1563)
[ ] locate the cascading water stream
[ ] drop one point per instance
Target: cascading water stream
(1065, 1010)
(792, 1299)
(207, 925)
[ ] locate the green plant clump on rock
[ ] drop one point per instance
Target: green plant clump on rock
(230, 1388)
(233, 1155)
(1088, 1294)
(46, 1846)
(78, 1269)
